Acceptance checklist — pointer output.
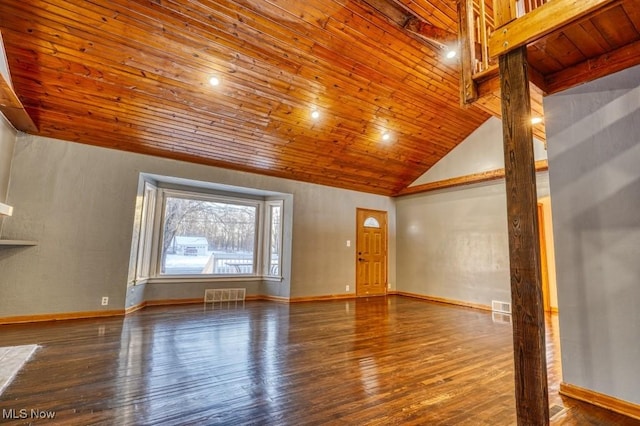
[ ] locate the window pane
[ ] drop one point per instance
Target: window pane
(208, 237)
(274, 241)
(371, 222)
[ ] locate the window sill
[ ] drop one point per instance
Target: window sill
(177, 279)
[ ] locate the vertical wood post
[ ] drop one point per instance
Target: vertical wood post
(466, 38)
(530, 365)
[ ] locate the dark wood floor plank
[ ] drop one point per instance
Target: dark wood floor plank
(375, 361)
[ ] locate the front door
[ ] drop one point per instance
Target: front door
(371, 252)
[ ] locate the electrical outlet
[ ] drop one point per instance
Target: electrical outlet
(105, 301)
(347, 288)
(348, 243)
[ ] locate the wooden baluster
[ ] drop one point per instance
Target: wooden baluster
(483, 36)
(504, 11)
(466, 35)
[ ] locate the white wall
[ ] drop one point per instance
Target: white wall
(78, 202)
(481, 152)
(594, 156)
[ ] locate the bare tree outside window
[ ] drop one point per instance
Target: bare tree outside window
(208, 237)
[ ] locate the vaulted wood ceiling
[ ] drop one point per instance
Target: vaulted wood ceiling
(133, 75)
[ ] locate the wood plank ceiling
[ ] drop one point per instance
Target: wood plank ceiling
(603, 42)
(133, 75)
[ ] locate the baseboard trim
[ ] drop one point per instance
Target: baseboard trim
(601, 400)
(444, 300)
(279, 299)
(323, 298)
(192, 301)
(60, 316)
(132, 309)
(165, 302)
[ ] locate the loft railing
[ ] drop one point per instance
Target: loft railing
(526, 6)
(477, 23)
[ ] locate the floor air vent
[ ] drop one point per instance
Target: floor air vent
(504, 307)
(555, 411)
(501, 318)
(213, 295)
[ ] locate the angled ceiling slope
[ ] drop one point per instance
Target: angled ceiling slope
(133, 75)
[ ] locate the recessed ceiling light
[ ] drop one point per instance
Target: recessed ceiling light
(386, 136)
(214, 81)
(536, 120)
(315, 114)
(451, 54)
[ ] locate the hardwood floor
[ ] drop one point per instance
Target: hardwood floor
(378, 361)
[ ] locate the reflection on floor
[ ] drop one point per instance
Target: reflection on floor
(12, 358)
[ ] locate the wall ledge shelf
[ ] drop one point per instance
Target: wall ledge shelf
(17, 243)
(5, 209)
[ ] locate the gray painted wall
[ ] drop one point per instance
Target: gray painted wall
(78, 202)
(453, 243)
(594, 156)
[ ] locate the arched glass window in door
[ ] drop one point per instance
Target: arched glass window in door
(371, 222)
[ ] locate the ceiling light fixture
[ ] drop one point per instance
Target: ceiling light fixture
(214, 81)
(315, 114)
(386, 136)
(536, 120)
(451, 54)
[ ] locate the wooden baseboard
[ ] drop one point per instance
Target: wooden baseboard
(134, 308)
(321, 298)
(601, 400)
(165, 302)
(444, 300)
(60, 316)
(279, 299)
(168, 302)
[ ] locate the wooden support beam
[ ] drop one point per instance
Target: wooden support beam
(13, 110)
(391, 10)
(468, 89)
(431, 32)
(541, 165)
(10, 105)
(540, 22)
(532, 402)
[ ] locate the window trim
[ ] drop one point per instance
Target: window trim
(145, 249)
(200, 190)
(266, 264)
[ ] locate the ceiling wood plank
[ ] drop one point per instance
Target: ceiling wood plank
(594, 68)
